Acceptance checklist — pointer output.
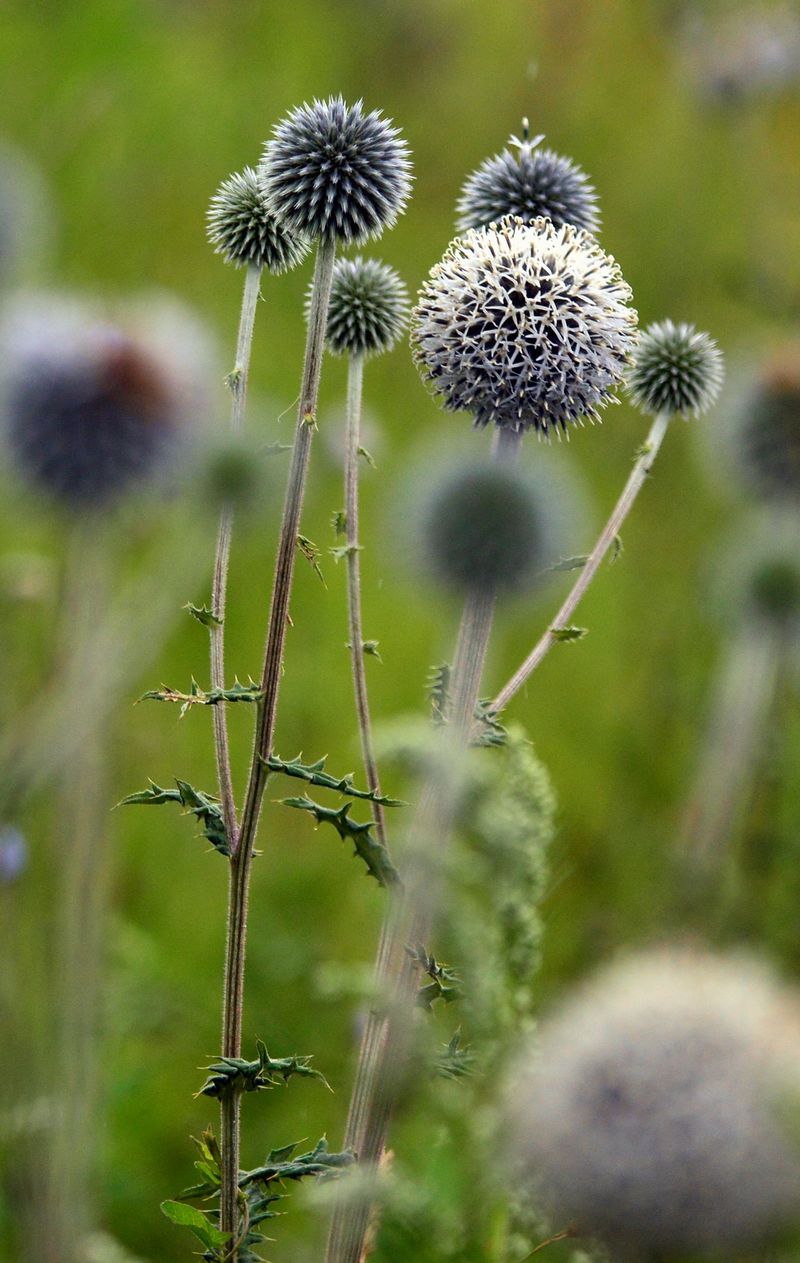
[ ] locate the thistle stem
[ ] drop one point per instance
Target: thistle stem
(408, 920)
(238, 386)
(242, 853)
(641, 468)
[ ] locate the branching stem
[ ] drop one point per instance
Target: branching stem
(641, 468)
(241, 859)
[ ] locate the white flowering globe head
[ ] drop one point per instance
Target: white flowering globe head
(527, 326)
(652, 1114)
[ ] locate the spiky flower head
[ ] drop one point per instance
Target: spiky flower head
(529, 183)
(525, 325)
(368, 308)
(91, 408)
(677, 370)
(335, 173)
(766, 429)
(481, 528)
(242, 228)
(653, 1112)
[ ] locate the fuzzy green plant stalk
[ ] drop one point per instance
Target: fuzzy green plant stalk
(677, 371)
(242, 850)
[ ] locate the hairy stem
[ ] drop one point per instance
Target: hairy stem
(241, 859)
(238, 386)
(408, 921)
(641, 468)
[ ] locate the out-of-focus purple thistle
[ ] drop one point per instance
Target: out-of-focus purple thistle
(13, 854)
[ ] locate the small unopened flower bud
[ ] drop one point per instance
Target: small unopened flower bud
(90, 409)
(529, 183)
(243, 229)
(524, 325)
(676, 370)
(368, 308)
(653, 1113)
(482, 529)
(335, 173)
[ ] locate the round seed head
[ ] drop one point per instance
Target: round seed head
(243, 229)
(653, 1113)
(335, 173)
(525, 325)
(482, 529)
(676, 370)
(368, 308)
(529, 183)
(92, 408)
(766, 432)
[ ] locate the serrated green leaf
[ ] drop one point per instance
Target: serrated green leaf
(315, 774)
(456, 1060)
(444, 984)
(617, 549)
(276, 449)
(340, 551)
(367, 847)
(198, 1223)
(197, 696)
(569, 563)
(567, 634)
(370, 648)
(203, 615)
(339, 522)
(312, 555)
(230, 1075)
(488, 730)
(205, 807)
(438, 690)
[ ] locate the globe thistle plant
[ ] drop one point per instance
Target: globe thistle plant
(333, 172)
(528, 183)
(766, 429)
(482, 529)
(677, 371)
(650, 1115)
(368, 308)
(91, 408)
(242, 228)
(527, 326)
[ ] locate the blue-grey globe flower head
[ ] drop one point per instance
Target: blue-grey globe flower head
(653, 1112)
(368, 308)
(91, 409)
(244, 230)
(765, 430)
(333, 172)
(527, 326)
(529, 183)
(481, 528)
(676, 370)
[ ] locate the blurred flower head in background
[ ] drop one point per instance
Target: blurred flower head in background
(765, 429)
(757, 576)
(335, 173)
(525, 325)
(529, 184)
(739, 53)
(13, 854)
(653, 1113)
(92, 408)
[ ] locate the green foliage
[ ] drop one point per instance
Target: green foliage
(444, 984)
(205, 807)
(229, 1075)
(366, 845)
(312, 554)
(568, 634)
(456, 1060)
(203, 615)
(315, 774)
(198, 1222)
(197, 696)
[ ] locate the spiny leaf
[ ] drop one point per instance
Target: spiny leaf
(276, 449)
(362, 451)
(282, 1165)
(197, 696)
(341, 551)
(489, 731)
(438, 690)
(203, 615)
(616, 550)
(370, 648)
(569, 563)
(197, 1222)
(312, 555)
(230, 1075)
(444, 984)
(367, 847)
(315, 774)
(567, 634)
(456, 1060)
(339, 522)
(206, 808)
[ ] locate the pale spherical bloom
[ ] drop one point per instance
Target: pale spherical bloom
(525, 325)
(653, 1113)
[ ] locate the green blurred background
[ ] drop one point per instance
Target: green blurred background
(134, 112)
